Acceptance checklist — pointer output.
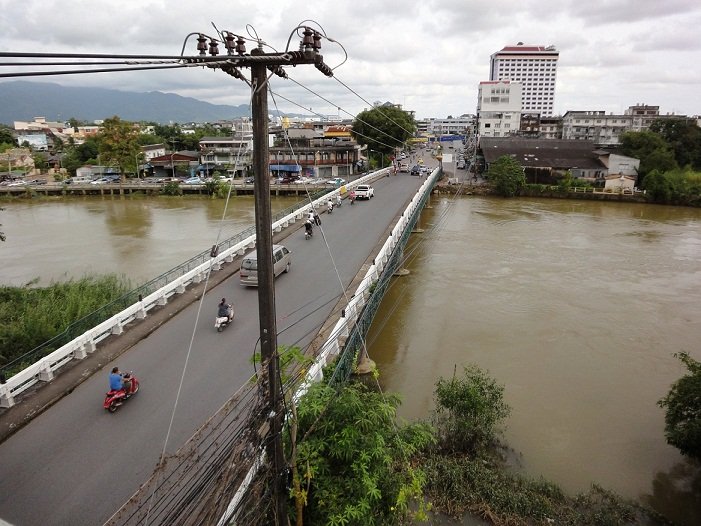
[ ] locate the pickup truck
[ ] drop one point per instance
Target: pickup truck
(364, 191)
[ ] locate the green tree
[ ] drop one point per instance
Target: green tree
(683, 410)
(354, 457)
(469, 411)
(657, 187)
(7, 137)
(683, 137)
(119, 143)
(383, 128)
(507, 176)
(652, 150)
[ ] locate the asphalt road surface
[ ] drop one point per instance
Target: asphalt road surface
(77, 464)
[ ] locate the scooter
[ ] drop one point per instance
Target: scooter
(339, 201)
(221, 322)
(329, 207)
(116, 397)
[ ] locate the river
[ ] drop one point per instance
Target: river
(576, 307)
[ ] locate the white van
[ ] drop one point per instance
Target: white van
(80, 179)
(282, 258)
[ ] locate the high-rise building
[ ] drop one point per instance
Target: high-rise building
(535, 67)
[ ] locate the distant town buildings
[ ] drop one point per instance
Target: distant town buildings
(535, 67)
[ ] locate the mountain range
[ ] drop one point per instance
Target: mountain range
(23, 101)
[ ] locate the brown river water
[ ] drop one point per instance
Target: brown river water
(576, 307)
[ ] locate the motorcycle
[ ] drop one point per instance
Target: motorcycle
(329, 207)
(352, 198)
(339, 201)
(308, 230)
(116, 397)
(221, 322)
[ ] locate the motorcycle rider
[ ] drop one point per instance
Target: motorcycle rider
(308, 228)
(120, 381)
(339, 201)
(225, 310)
(329, 205)
(352, 196)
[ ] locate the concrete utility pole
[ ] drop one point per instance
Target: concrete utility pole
(260, 63)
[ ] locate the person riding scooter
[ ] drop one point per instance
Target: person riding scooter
(225, 310)
(339, 201)
(120, 381)
(329, 206)
(351, 197)
(308, 229)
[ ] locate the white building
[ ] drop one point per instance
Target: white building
(498, 108)
(462, 125)
(535, 67)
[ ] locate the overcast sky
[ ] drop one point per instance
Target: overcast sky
(427, 55)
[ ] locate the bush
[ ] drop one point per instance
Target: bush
(468, 411)
(355, 458)
(172, 188)
(683, 410)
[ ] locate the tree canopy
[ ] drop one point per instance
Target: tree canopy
(119, 143)
(683, 410)
(683, 137)
(383, 128)
(507, 176)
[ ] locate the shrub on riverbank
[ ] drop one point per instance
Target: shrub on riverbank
(30, 316)
(354, 464)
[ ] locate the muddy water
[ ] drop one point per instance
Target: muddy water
(576, 308)
(53, 239)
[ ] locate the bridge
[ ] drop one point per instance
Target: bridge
(70, 462)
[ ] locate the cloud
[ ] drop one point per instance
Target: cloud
(429, 56)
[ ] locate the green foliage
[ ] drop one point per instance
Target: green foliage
(468, 411)
(7, 138)
(119, 143)
(652, 150)
(356, 458)
(383, 128)
(172, 188)
(30, 316)
(506, 174)
(459, 485)
(681, 187)
(683, 137)
(288, 356)
(683, 410)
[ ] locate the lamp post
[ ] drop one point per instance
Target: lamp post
(172, 162)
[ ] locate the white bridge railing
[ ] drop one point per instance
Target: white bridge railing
(80, 347)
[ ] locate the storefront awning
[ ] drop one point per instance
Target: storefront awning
(286, 167)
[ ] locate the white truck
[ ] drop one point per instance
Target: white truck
(364, 191)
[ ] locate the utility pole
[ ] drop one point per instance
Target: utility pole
(260, 63)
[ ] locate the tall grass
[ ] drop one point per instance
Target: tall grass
(30, 316)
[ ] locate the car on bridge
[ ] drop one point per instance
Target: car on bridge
(364, 191)
(282, 259)
(416, 170)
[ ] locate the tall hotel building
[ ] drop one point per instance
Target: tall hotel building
(535, 67)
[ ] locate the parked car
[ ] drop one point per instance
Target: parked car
(282, 259)
(289, 179)
(364, 191)
(249, 180)
(336, 181)
(193, 180)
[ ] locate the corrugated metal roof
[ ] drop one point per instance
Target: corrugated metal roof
(542, 153)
